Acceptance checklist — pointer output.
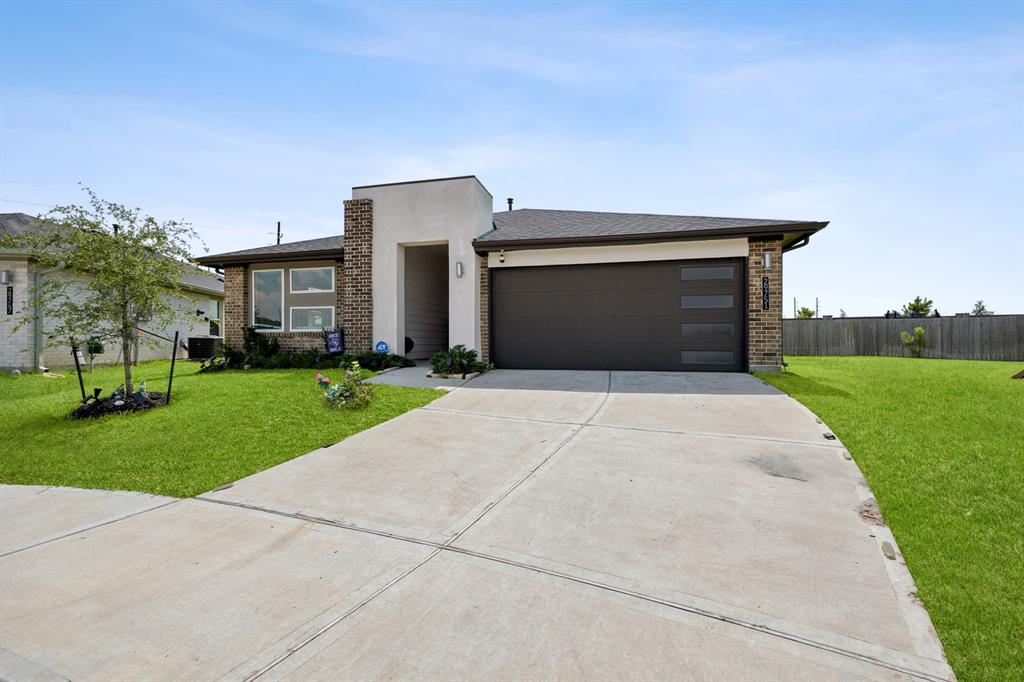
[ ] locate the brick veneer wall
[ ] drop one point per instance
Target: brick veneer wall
(236, 304)
(236, 312)
(358, 275)
(485, 311)
(764, 327)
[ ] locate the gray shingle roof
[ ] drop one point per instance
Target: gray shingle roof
(17, 223)
(532, 224)
(323, 246)
(194, 278)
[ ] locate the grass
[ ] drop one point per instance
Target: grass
(941, 442)
(218, 428)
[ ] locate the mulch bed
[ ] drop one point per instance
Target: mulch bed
(104, 406)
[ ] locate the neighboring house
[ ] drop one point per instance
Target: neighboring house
(28, 348)
(528, 288)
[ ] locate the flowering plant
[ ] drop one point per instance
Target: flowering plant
(349, 392)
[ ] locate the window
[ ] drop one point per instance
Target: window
(693, 272)
(706, 301)
(706, 357)
(707, 329)
(312, 280)
(213, 315)
(268, 300)
(311, 319)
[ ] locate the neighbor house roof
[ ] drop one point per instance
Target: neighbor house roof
(309, 249)
(196, 279)
(527, 227)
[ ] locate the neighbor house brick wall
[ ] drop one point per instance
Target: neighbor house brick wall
(485, 311)
(764, 327)
(236, 304)
(358, 310)
(16, 346)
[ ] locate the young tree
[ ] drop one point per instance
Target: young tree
(919, 307)
(131, 262)
(804, 314)
(980, 309)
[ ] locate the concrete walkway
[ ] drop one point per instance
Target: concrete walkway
(573, 525)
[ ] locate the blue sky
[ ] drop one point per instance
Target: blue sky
(903, 124)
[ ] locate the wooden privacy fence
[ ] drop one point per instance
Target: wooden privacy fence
(989, 337)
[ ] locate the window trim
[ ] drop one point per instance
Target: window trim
(252, 300)
(310, 307)
(291, 285)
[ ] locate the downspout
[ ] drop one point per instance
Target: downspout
(38, 346)
(798, 244)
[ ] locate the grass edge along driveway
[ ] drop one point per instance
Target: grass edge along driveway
(941, 443)
(219, 427)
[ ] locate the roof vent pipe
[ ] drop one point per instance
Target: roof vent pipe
(509, 200)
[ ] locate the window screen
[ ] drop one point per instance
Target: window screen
(307, 280)
(312, 319)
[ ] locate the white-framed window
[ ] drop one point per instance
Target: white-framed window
(268, 300)
(311, 318)
(312, 280)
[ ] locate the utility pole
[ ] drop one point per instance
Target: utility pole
(794, 306)
(816, 307)
(278, 231)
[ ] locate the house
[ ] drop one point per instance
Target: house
(428, 264)
(27, 347)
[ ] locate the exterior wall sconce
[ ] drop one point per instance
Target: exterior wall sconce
(767, 261)
(459, 270)
(5, 277)
(501, 257)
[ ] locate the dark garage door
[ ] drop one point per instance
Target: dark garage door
(666, 315)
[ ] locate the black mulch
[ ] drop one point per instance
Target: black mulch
(98, 408)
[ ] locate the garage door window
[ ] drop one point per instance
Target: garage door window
(706, 357)
(695, 272)
(707, 329)
(706, 301)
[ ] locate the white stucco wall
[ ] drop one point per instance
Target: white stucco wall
(628, 253)
(15, 345)
(415, 214)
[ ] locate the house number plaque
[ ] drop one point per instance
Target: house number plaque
(10, 300)
(764, 293)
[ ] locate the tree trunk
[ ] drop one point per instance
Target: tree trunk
(126, 358)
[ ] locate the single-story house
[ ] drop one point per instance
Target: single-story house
(28, 346)
(432, 262)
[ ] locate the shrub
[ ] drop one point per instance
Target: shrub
(457, 360)
(349, 392)
(375, 362)
(914, 341)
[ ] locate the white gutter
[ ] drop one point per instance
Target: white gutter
(37, 314)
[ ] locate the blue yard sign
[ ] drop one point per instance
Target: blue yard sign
(381, 347)
(335, 341)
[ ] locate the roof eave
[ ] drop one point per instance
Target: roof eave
(782, 229)
(220, 260)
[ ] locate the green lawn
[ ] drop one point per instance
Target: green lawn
(218, 428)
(941, 442)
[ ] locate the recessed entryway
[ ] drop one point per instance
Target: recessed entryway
(426, 300)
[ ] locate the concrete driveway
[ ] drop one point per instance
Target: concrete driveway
(581, 525)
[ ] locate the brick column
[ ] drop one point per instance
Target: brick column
(485, 311)
(764, 327)
(236, 304)
(357, 315)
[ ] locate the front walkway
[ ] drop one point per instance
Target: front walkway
(576, 525)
